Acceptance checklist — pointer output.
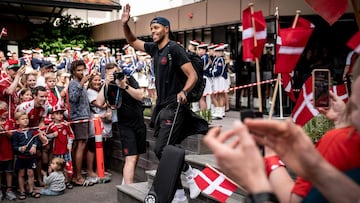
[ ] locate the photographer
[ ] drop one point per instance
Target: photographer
(123, 94)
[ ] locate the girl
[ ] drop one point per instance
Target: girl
(63, 136)
(25, 95)
(55, 182)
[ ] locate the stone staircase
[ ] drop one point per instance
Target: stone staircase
(197, 155)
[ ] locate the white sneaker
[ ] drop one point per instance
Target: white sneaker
(180, 197)
(193, 188)
(10, 195)
(1, 195)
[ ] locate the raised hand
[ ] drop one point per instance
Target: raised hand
(125, 17)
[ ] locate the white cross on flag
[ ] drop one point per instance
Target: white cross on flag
(286, 79)
(304, 109)
(250, 51)
(215, 184)
(354, 42)
(291, 43)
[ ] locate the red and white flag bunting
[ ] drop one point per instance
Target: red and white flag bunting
(329, 10)
(215, 184)
(304, 109)
(291, 43)
(354, 42)
(250, 52)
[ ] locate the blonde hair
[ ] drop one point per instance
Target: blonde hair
(49, 75)
(19, 114)
(60, 163)
(3, 105)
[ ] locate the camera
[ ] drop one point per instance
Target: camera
(118, 75)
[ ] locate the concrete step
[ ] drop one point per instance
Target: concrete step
(136, 192)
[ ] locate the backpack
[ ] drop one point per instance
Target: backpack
(197, 92)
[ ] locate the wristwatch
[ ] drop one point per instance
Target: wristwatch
(185, 93)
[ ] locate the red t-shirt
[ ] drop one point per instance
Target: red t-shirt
(61, 141)
(35, 113)
(340, 147)
(12, 100)
(6, 152)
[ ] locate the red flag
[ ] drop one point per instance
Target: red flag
(215, 184)
(249, 49)
(3, 32)
(354, 42)
(292, 42)
(304, 109)
(288, 86)
(260, 27)
(329, 10)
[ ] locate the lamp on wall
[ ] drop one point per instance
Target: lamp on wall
(135, 19)
(190, 15)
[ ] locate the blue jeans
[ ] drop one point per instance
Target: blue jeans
(48, 192)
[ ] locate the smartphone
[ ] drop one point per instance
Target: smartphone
(321, 85)
(249, 113)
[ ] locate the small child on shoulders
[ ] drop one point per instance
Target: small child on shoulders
(55, 182)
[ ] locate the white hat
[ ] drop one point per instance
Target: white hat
(37, 50)
(66, 49)
(219, 48)
(269, 45)
(102, 48)
(194, 42)
(203, 45)
(140, 53)
(77, 48)
(212, 46)
(85, 53)
(126, 46)
(26, 51)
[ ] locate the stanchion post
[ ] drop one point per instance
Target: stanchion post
(99, 147)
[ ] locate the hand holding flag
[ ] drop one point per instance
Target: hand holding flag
(214, 183)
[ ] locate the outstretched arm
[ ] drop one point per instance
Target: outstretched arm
(130, 37)
(296, 149)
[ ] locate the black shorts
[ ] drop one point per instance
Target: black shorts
(25, 163)
(81, 130)
(7, 166)
(133, 140)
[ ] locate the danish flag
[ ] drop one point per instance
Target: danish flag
(354, 42)
(286, 77)
(291, 43)
(250, 51)
(213, 183)
(329, 10)
(304, 109)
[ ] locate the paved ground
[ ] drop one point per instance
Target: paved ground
(105, 193)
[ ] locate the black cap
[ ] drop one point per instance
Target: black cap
(46, 64)
(165, 22)
(14, 67)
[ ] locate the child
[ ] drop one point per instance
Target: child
(55, 182)
(6, 153)
(24, 144)
(25, 95)
(53, 95)
(63, 136)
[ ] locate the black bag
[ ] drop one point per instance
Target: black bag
(168, 172)
(197, 92)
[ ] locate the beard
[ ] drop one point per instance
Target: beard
(160, 39)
